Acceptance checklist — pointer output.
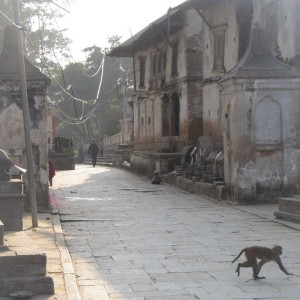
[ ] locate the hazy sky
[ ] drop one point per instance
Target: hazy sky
(90, 22)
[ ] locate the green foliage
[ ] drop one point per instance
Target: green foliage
(92, 120)
(47, 47)
(45, 42)
(6, 8)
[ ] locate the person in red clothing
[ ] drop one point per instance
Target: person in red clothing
(51, 172)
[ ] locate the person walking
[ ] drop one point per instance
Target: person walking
(93, 152)
(51, 172)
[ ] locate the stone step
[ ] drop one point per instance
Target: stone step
(105, 159)
(23, 266)
(100, 159)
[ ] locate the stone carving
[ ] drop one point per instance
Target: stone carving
(5, 165)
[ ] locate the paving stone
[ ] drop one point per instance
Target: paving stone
(145, 242)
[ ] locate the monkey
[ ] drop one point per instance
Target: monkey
(264, 254)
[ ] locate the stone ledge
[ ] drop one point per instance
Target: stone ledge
(287, 216)
(290, 205)
(210, 190)
(289, 209)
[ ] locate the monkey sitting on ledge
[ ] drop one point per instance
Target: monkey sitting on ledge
(265, 255)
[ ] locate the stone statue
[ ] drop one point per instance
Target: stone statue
(5, 165)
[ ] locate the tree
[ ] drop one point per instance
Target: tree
(93, 119)
(7, 14)
(45, 43)
(117, 72)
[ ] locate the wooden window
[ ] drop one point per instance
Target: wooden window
(170, 115)
(174, 70)
(154, 64)
(142, 71)
(165, 115)
(175, 114)
(159, 64)
(219, 44)
(164, 60)
(163, 64)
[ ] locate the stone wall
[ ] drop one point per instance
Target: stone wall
(145, 163)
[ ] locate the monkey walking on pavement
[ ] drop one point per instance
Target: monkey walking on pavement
(265, 255)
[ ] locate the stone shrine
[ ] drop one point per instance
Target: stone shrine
(23, 265)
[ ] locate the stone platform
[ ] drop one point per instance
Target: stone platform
(289, 209)
(23, 266)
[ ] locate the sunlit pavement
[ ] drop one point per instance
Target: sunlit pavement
(129, 239)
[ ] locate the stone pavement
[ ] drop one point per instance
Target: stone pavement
(47, 238)
(119, 237)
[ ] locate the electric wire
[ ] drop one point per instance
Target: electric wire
(67, 47)
(59, 6)
(101, 66)
(76, 122)
(89, 102)
(111, 100)
(9, 20)
(88, 115)
(63, 76)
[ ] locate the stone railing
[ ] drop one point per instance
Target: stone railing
(111, 143)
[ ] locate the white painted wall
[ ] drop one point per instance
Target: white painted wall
(288, 31)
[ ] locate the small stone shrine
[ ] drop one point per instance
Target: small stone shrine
(11, 196)
(23, 264)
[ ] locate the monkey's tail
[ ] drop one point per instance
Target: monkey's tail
(239, 255)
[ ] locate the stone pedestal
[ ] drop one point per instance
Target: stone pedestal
(11, 204)
(11, 211)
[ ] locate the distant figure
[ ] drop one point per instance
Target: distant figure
(156, 179)
(51, 172)
(93, 152)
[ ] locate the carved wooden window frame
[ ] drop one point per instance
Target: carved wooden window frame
(165, 117)
(219, 47)
(142, 69)
(175, 52)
